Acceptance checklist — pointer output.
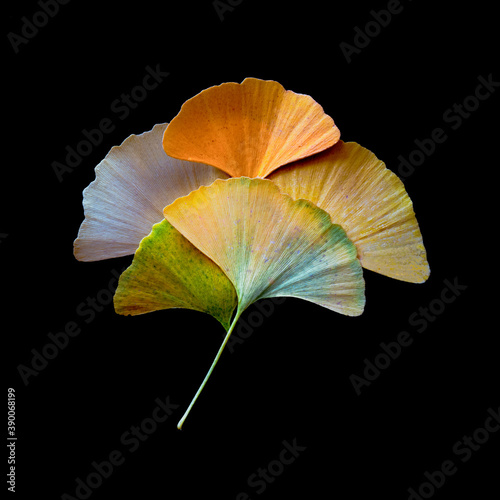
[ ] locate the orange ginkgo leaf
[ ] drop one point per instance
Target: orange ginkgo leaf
(249, 129)
(369, 201)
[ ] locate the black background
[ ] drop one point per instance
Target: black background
(291, 378)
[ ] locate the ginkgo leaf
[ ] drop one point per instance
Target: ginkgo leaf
(133, 184)
(269, 245)
(369, 201)
(169, 272)
(249, 129)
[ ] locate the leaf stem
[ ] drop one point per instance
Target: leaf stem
(207, 376)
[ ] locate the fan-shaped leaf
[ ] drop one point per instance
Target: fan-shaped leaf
(168, 272)
(249, 129)
(269, 245)
(133, 184)
(368, 201)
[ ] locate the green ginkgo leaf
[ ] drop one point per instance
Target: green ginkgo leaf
(169, 272)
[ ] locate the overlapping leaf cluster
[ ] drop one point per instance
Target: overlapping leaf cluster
(248, 193)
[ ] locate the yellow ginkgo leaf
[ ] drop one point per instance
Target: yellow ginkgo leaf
(269, 245)
(369, 201)
(249, 129)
